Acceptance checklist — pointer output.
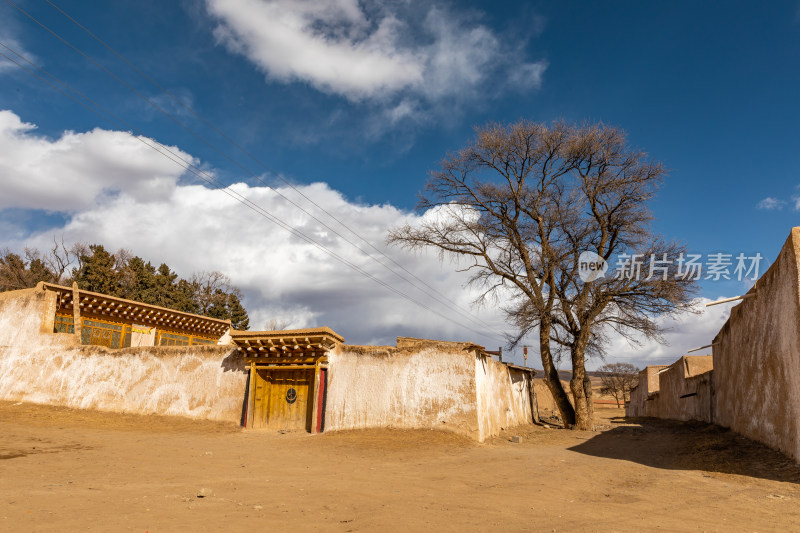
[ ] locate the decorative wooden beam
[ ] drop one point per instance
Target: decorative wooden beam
(283, 367)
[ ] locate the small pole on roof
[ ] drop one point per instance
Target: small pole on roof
(700, 348)
(735, 298)
(525, 355)
(500, 353)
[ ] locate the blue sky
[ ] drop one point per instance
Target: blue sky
(710, 89)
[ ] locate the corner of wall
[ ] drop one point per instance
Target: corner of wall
(48, 309)
(480, 400)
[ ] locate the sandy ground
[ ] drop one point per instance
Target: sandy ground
(67, 470)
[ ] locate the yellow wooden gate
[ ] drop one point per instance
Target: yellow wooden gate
(282, 399)
(288, 377)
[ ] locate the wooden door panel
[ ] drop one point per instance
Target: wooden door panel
(275, 407)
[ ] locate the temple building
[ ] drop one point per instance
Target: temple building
(102, 320)
(66, 346)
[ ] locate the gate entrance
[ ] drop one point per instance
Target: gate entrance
(282, 399)
(288, 371)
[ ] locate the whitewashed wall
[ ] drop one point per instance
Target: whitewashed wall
(503, 397)
(194, 381)
(428, 388)
(437, 386)
(757, 358)
(424, 387)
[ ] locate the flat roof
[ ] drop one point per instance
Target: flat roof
(523, 368)
(278, 342)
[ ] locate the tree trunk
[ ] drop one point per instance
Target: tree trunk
(581, 387)
(587, 388)
(552, 379)
(534, 402)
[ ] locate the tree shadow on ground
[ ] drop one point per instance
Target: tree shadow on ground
(675, 445)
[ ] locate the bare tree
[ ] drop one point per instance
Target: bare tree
(80, 251)
(617, 380)
(121, 258)
(520, 204)
(59, 259)
(277, 324)
(211, 289)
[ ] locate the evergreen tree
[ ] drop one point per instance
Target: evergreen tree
(237, 313)
(183, 297)
(139, 280)
(13, 272)
(228, 306)
(164, 283)
(17, 272)
(126, 276)
(217, 305)
(96, 271)
(39, 271)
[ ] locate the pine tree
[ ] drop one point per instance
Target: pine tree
(17, 272)
(237, 313)
(139, 280)
(164, 283)
(228, 306)
(13, 272)
(183, 297)
(96, 272)
(125, 276)
(40, 272)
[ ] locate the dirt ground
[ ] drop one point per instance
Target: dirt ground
(68, 470)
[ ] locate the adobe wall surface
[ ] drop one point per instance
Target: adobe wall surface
(425, 385)
(53, 368)
(651, 377)
(636, 404)
(21, 316)
(702, 404)
(757, 358)
(545, 400)
(685, 390)
(503, 396)
(644, 398)
(428, 388)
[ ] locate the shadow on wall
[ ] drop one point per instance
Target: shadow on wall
(234, 362)
(674, 445)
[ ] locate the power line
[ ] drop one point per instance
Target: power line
(248, 154)
(441, 298)
(208, 178)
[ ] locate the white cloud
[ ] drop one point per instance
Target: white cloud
(124, 195)
(78, 170)
(682, 333)
(527, 76)
(193, 228)
(328, 44)
(13, 50)
(770, 203)
(367, 51)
